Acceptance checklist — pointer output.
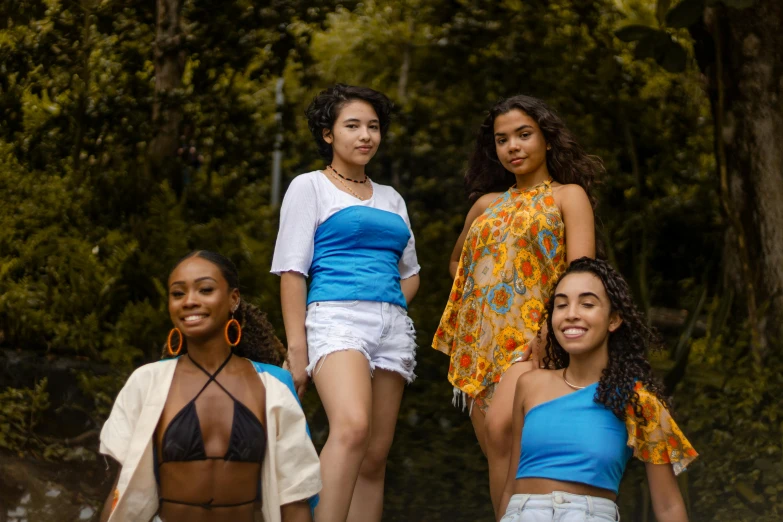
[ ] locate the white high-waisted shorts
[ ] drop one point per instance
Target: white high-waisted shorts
(382, 332)
(560, 507)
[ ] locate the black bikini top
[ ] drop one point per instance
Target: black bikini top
(183, 440)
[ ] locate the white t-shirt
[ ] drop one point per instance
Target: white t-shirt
(310, 200)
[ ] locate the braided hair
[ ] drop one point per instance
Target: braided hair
(628, 345)
(259, 342)
(566, 161)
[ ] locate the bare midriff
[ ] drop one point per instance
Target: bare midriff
(199, 481)
(542, 486)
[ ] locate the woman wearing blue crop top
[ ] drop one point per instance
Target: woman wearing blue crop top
(208, 435)
(349, 331)
(580, 422)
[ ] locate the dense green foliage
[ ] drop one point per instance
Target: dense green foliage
(89, 226)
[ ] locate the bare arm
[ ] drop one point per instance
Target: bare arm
(475, 211)
(517, 421)
(409, 287)
(667, 502)
(107, 506)
(293, 299)
(296, 512)
(579, 222)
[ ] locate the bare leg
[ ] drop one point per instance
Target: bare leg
(498, 435)
(344, 385)
(477, 418)
(367, 503)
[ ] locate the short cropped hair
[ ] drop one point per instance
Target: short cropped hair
(324, 109)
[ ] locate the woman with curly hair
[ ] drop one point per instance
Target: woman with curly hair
(530, 182)
(214, 432)
(350, 332)
(578, 423)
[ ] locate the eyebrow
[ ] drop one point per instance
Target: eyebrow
(583, 294)
(196, 281)
(358, 120)
(525, 126)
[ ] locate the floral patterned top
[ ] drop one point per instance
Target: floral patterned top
(660, 441)
(512, 255)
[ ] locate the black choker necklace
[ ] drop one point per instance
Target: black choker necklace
(347, 179)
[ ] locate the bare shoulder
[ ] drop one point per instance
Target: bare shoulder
(572, 200)
(484, 201)
(535, 379)
(569, 191)
(481, 204)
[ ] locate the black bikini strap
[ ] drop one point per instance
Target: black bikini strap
(211, 375)
(207, 505)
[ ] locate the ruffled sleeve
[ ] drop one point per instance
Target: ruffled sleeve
(660, 440)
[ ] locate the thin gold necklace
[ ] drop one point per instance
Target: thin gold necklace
(345, 185)
(572, 385)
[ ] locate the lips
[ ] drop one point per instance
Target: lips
(574, 332)
(517, 161)
(364, 149)
(193, 318)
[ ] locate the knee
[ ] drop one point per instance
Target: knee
(374, 463)
(498, 433)
(353, 433)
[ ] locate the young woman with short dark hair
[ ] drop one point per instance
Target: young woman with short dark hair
(350, 331)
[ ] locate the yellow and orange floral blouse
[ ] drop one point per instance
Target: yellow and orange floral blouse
(512, 255)
(660, 440)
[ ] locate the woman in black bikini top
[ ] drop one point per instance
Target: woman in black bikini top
(211, 436)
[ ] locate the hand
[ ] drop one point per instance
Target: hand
(537, 351)
(296, 363)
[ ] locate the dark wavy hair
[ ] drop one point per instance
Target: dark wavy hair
(566, 161)
(259, 342)
(324, 109)
(628, 345)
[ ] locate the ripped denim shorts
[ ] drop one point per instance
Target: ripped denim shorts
(382, 332)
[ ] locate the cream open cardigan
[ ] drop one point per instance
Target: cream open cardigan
(290, 471)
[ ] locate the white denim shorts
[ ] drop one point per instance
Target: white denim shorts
(382, 332)
(559, 506)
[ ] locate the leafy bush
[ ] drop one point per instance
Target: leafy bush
(20, 411)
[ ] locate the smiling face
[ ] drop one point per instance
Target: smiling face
(582, 317)
(200, 301)
(520, 145)
(355, 135)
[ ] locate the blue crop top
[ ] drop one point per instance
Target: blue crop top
(356, 256)
(574, 439)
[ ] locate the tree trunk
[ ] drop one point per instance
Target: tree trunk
(746, 81)
(169, 67)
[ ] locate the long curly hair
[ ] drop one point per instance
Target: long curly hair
(628, 345)
(325, 107)
(566, 161)
(259, 342)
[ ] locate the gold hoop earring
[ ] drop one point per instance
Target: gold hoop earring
(239, 332)
(179, 345)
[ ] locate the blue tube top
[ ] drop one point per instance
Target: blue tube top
(356, 256)
(574, 439)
